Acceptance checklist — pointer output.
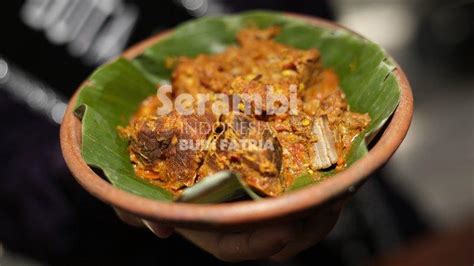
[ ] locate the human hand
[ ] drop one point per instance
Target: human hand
(277, 242)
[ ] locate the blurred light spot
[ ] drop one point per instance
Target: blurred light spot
(57, 112)
(83, 25)
(55, 10)
(33, 12)
(114, 35)
(192, 4)
(389, 24)
(37, 98)
(3, 69)
(30, 91)
(196, 8)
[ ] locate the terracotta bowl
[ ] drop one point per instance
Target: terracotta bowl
(243, 214)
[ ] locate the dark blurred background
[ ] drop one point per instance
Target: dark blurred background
(421, 200)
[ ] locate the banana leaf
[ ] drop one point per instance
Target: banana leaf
(115, 90)
(219, 187)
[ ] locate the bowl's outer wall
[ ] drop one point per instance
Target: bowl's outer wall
(244, 214)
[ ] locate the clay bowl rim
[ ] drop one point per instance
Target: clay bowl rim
(243, 212)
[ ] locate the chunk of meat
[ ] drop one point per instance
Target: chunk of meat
(156, 151)
(249, 147)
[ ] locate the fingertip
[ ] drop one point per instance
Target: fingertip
(273, 239)
(161, 231)
(128, 218)
(311, 231)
